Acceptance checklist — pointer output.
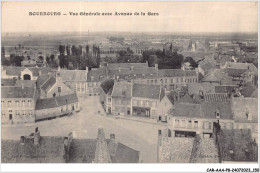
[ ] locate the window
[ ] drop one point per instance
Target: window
(217, 114)
(95, 84)
(183, 123)
(248, 115)
(151, 81)
(181, 79)
(189, 124)
(17, 103)
(165, 104)
(147, 103)
(23, 102)
(171, 80)
(155, 81)
(177, 123)
(134, 102)
(165, 80)
(141, 103)
(17, 113)
(109, 99)
(153, 112)
(61, 109)
(206, 125)
(195, 124)
(177, 80)
(59, 89)
(30, 112)
(29, 102)
(9, 103)
(24, 112)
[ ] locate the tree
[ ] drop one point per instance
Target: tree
(41, 58)
(47, 59)
(191, 61)
(61, 49)
(52, 57)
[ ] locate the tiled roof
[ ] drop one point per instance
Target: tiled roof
(135, 73)
(234, 72)
(16, 71)
(8, 82)
(48, 83)
(195, 88)
(111, 66)
(176, 73)
(209, 110)
(206, 66)
(187, 99)
(56, 101)
(203, 110)
(225, 88)
(50, 150)
(122, 89)
(41, 79)
(218, 75)
(50, 147)
(122, 153)
(247, 91)
(187, 110)
(107, 85)
(82, 150)
(96, 74)
(17, 92)
(170, 96)
(147, 91)
(215, 97)
(239, 141)
(73, 75)
(242, 106)
(26, 83)
(249, 66)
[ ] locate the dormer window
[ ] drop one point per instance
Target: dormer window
(217, 114)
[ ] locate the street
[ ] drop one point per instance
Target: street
(137, 135)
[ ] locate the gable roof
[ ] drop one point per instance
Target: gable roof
(16, 71)
(195, 88)
(73, 75)
(17, 92)
(8, 82)
(234, 72)
(218, 75)
(48, 83)
(50, 147)
(107, 86)
(247, 91)
(170, 96)
(122, 89)
(206, 66)
(216, 97)
(176, 73)
(96, 74)
(147, 91)
(56, 101)
(203, 110)
(225, 88)
(26, 83)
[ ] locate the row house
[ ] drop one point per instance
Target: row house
(146, 99)
(131, 99)
(171, 79)
(23, 73)
(18, 104)
(56, 106)
(190, 118)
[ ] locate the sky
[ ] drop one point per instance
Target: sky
(173, 17)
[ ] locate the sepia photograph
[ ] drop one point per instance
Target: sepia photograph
(130, 82)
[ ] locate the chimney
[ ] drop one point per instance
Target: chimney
(132, 68)
(22, 140)
(119, 68)
(37, 136)
(112, 137)
(87, 69)
(40, 73)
